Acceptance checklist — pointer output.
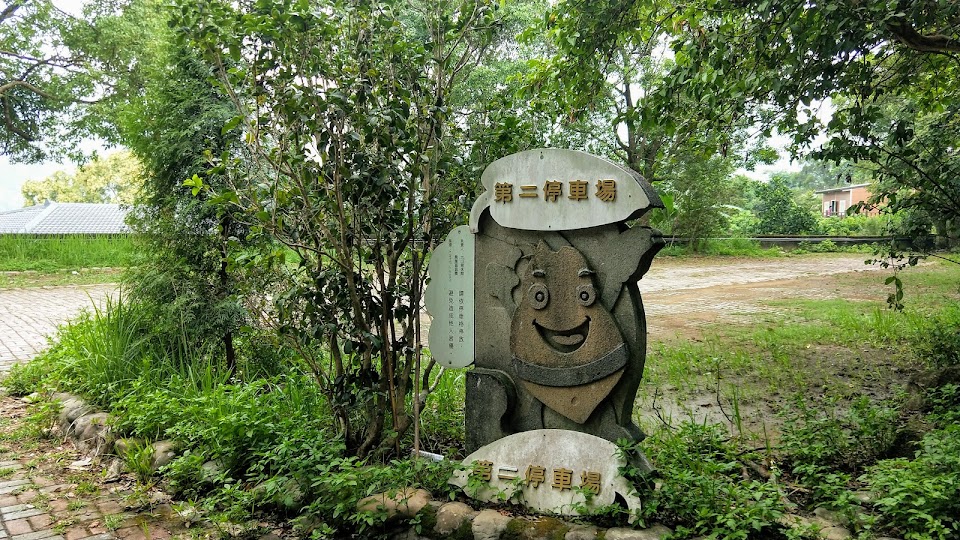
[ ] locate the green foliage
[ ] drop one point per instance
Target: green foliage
(825, 446)
(271, 438)
(938, 341)
(138, 459)
(43, 76)
(860, 225)
(100, 354)
(354, 171)
(185, 277)
(816, 175)
(46, 253)
(114, 179)
(779, 212)
(920, 497)
(729, 247)
(26, 378)
(829, 246)
(703, 489)
(63, 72)
(702, 196)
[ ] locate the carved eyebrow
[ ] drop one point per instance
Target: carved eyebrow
(584, 272)
(538, 272)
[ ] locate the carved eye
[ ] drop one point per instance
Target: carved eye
(586, 295)
(539, 296)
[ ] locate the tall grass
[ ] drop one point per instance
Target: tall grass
(48, 253)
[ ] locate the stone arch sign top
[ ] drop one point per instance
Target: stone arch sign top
(551, 189)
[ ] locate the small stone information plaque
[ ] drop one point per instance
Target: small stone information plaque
(449, 299)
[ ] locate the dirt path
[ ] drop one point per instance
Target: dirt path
(682, 295)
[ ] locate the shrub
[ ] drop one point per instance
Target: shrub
(938, 341)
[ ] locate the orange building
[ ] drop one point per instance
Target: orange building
(837, 200)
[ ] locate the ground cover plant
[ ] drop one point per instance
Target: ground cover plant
(70, 252)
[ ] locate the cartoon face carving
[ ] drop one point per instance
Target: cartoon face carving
(566, 346)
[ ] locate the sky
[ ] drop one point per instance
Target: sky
(13, 175)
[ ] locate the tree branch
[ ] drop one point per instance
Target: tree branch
(906, 34)
(9, 11)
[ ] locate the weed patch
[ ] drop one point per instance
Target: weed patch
(704, 486)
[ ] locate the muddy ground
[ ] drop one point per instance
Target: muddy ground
(681, 295)
(692, 300)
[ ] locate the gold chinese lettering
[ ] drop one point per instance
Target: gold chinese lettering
(536, 475)
(552, 191)
(590, 480)
(528, 191)
(578, 190)
(503, 192)
(607, 190)
(483, 470)
(562, 479)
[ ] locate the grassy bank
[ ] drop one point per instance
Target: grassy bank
(72, 252)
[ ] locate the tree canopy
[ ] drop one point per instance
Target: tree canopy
(116, 178)
(890, 67)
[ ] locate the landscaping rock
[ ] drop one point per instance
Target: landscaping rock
(864, 497)
(582, 532)
(71, 408)
(542, 528)
(113, 470)
(489, 525)
(406, 502)
(163, 453)
(835, 533)
(122, 447)
(92, 432)
(794, 521)
(409, 534)
(831, 518)
(657, 532)
(211, 471)
(451, 516)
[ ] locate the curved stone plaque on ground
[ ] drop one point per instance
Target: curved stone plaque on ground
(548, 470)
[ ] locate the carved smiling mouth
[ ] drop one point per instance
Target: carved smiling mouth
(565, 341)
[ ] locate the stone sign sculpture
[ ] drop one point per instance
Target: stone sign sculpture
(539, 294)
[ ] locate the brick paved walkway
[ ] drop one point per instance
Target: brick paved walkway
(37, 508)
(50, 491)
(28, 316)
